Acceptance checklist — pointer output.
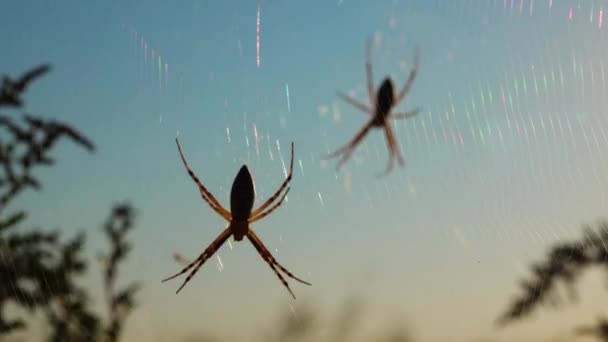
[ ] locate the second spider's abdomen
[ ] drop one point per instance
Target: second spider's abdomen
(384, 98)
(242, 195)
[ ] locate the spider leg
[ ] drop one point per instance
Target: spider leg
(348, 148)
(264, 256)
(205, 194)
(406, 115)
(278, 193)
(389, 167)
(267, 212)
(207, 253)
(410, 79)
(355, 103)
(253, 236)
(393, 150)
(345, 157)
(368, 71)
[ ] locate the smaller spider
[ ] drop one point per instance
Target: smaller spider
(381, 102)
(241, 216)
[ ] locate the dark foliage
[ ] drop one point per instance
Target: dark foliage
(348, 319)
(23, 148)
(564, 265)
(38, 269)
(305, 323)
(11, 91)
(120, 303)
(600, 330)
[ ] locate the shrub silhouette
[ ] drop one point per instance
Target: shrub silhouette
(600, 330)
(39, 268)
(565, 264)
(304, 324)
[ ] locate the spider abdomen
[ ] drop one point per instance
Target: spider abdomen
(384, 98)
(242, 195)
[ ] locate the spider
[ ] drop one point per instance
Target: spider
(381, 102)
(239, 218)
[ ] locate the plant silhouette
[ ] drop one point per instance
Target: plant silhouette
(565, 264)
(305, 323)
(39, 268)
(600, 330)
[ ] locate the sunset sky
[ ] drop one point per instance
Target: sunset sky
(506, 157)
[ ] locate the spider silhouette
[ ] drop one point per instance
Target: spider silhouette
(381, 102)
(240, 217)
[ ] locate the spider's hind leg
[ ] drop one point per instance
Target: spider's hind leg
(389, 167)
(207, 253)
(393, 150)
(259, 247)
(347, 149)
(253, 236)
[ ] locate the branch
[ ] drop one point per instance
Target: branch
(120, 303)
(11, 91)
(565, 264)
(22, 147)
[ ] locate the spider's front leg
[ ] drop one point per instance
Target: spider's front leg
(360, 106)
(410, 80)
(205, 194)
(270, 210)
(278, 192)
(406, 115)
(369, 72)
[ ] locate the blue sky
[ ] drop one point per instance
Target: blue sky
(453, 229)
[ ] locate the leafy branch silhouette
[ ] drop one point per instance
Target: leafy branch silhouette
(36, 139)
(120, 303)
(565, 264)
(38, 269)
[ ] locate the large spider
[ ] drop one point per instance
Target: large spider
(239, 218)
(381, 102)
